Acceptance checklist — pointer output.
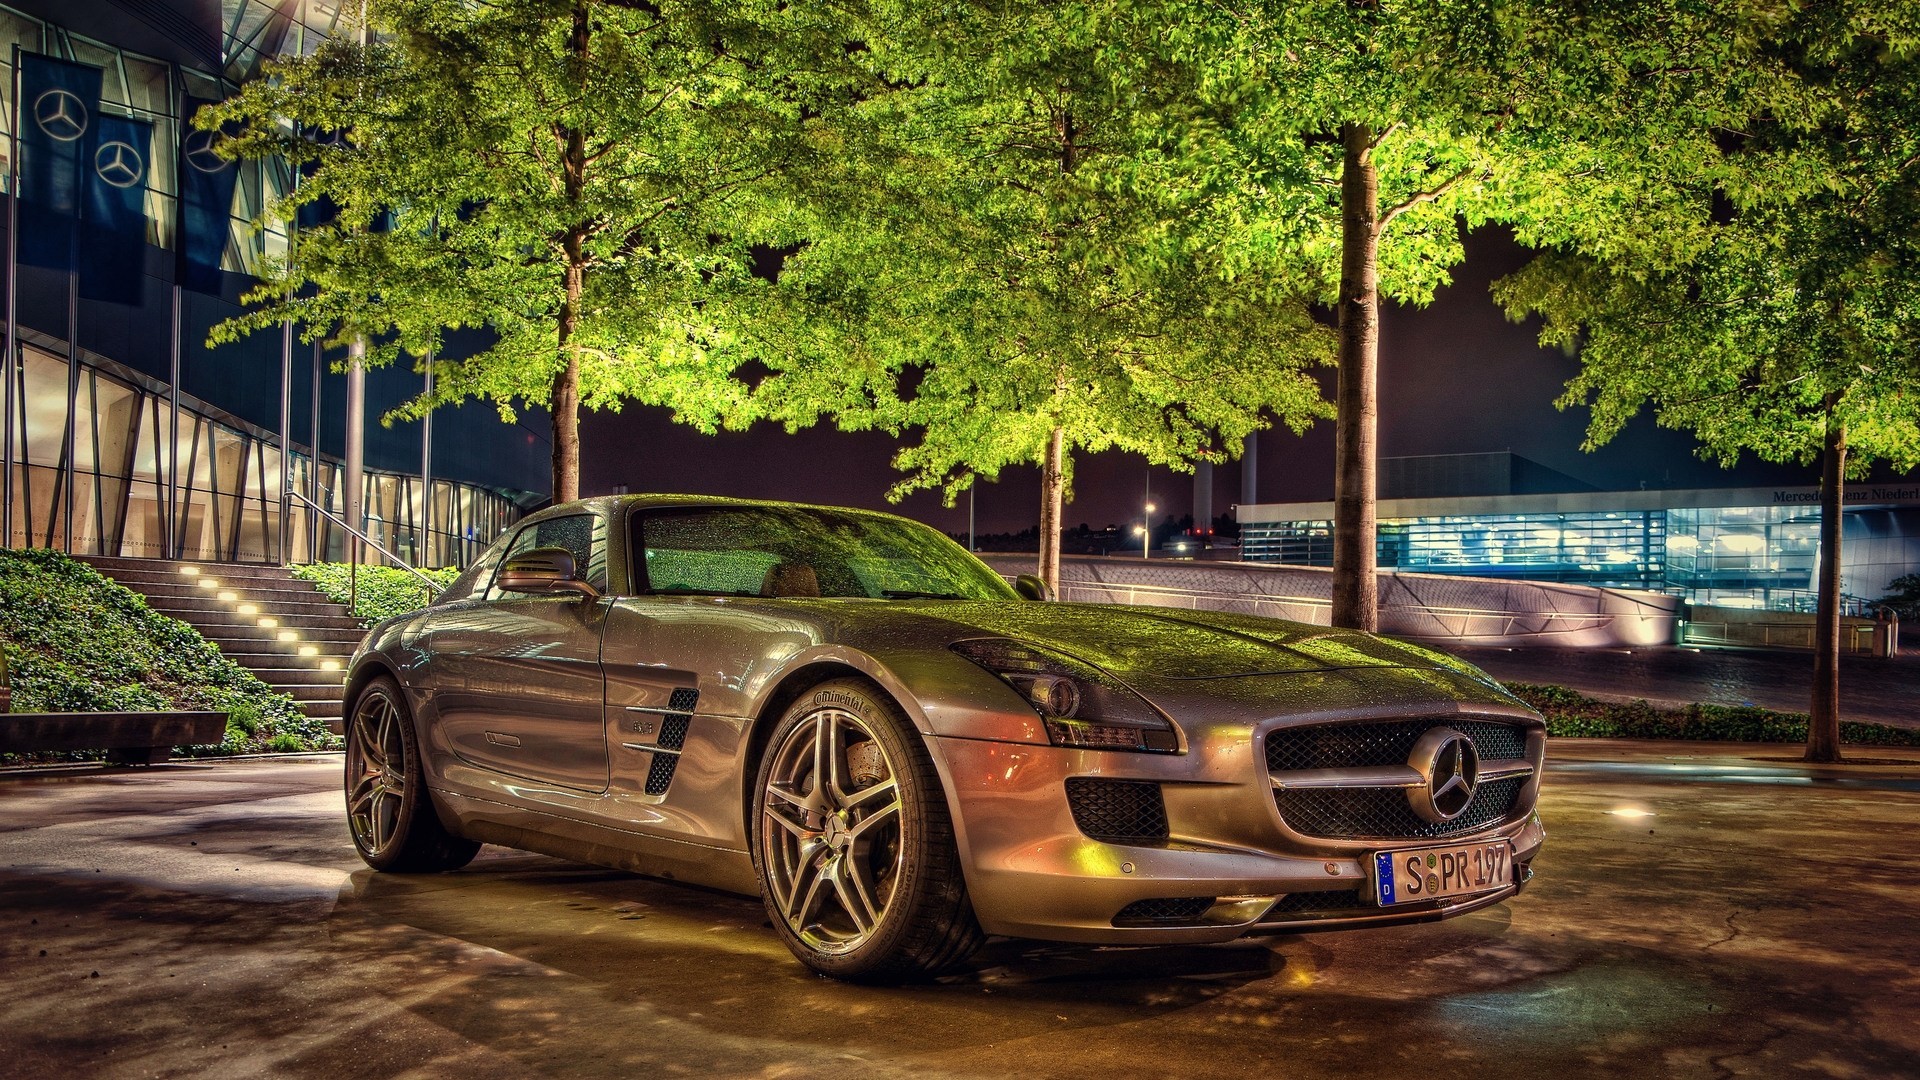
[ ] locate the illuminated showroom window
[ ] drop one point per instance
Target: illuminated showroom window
(223, 500)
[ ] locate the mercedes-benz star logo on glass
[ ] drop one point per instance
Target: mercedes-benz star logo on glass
(1447, 761)
(118, 163)
(60, 114)
(200, 154)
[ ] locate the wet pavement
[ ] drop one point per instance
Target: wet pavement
(1872, 689)
(212, 920)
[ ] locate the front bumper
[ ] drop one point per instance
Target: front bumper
(1033, 873)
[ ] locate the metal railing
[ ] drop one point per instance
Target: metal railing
(1462, 623)
(353, 580)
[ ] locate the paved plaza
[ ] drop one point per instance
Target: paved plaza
(212, 920)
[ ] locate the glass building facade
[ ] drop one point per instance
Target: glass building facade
(134, 437)
(1755, 548)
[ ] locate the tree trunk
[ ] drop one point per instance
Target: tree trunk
(1823, 720)
(1356, 600)
(565, 396)
(1053, 488)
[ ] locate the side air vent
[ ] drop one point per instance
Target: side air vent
(673, 737)
(1164, 911)
(1118, 811)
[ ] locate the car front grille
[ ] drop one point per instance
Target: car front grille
(1383, 813)
(1357, 811)
(1346, 746)
(1118, 811)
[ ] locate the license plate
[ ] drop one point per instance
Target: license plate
(1414, 874)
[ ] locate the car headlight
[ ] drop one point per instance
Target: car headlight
(1081, 706)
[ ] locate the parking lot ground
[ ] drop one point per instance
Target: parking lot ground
(212, 920)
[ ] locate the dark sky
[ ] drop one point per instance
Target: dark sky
(1455, 377)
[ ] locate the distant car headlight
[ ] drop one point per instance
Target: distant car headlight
(1081, 706)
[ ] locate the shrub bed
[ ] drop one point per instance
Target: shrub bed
(77, 641)
(382, 591)
(1573, 714)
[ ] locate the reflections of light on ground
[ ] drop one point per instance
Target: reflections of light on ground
(1689, 773)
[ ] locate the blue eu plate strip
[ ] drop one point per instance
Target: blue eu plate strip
(1383, 873)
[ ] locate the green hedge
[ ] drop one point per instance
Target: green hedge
(76, 641)
(382, 591)
(1573, 714)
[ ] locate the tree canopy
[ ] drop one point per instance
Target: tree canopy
(1789, 327)
(1013, 260)
(1370, 132)
(565, 176)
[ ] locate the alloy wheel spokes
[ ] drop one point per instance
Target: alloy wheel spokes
(376, 762)
(826, 843)
(803, 894)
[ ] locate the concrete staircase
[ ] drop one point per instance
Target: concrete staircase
(262, 617)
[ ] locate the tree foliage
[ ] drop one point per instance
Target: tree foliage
(563, 176)
(1012, 259)
(1369, 132)
(1789, 327)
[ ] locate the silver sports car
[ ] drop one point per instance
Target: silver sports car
(850, 716)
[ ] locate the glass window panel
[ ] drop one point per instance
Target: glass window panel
(117, 414)
(144, 534)
(45, 383)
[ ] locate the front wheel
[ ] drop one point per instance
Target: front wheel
(854, 844)
(389, 814)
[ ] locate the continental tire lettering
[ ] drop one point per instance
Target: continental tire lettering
(845, 701)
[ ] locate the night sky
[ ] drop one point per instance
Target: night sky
(1455, 377)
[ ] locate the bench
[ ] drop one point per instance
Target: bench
(129, 738)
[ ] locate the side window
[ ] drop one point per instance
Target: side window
(582, 534)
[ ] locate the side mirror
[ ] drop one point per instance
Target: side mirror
(1032, 588)
(544, 570)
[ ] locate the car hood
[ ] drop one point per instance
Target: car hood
(1167, 643)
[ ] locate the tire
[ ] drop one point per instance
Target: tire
(861, 878)
(389, 813)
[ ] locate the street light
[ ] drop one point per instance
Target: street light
(1145, 532)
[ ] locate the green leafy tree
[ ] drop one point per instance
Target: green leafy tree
(1373, 130)
(564, 176)
(1008, 261)
(1793, 331)
(1904, 596)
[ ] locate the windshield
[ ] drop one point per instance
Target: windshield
(800, 551)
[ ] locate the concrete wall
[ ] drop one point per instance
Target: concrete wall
(1431, 607)
(1776, 629)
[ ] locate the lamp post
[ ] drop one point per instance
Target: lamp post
(1146, 533)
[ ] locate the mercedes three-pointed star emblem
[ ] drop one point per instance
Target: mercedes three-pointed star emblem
(1450, 766)
(199, 152)
(61, 114)
(119, 164)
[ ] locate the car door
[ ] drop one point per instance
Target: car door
(523, 691)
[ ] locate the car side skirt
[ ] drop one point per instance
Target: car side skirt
(580, 841)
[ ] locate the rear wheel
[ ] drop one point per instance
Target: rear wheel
(389, 814)
(854, 844)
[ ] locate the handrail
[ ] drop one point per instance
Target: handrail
(433, 587)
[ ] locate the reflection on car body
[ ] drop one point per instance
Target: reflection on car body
(847, 714)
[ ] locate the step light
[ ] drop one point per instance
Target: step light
(190, 571)
(209, 583)
(309, 650)
(269, 622)
(249, 609)
(329, 665)
(227, 595)
(287, 635)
